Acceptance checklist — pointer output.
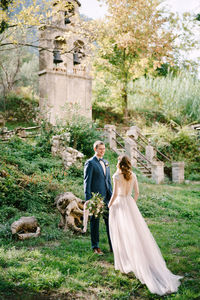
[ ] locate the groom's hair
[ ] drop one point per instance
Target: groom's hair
(97, 144)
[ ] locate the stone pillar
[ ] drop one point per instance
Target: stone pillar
(131, 147)
(111, 135)
(178, 171)
(133, 132)
(150, 153)
(157, 170)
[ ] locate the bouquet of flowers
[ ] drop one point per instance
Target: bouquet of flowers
(96, 205)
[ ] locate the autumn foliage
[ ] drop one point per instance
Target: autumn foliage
(134, 39)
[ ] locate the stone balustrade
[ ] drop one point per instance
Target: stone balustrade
(131, 147)
(110, 133)
(150, 153)
(157, 171)
(133, 131)
(178, 171)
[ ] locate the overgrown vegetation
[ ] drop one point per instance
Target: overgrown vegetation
(152, 99)
(177, 98)
(83, 133)
(179, 144)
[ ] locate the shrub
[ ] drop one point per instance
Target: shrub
(185, 145)
(19, 108)
(75, 171)
(5, 232)
(43, 141)
(83, 134)
(7, 212)
(106, 115)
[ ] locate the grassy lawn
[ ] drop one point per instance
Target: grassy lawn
(61, 265)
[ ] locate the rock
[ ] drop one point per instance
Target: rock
(68, 154)
(71, 156)
(59, 143)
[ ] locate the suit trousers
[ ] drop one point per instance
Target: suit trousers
(94, 229)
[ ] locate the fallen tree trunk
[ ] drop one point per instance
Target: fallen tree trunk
(71, 210)
(25, 228)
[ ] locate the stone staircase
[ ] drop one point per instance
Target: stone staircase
(142, 153)
(144, 167)
(142, 162)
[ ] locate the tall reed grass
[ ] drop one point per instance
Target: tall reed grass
(178, 98)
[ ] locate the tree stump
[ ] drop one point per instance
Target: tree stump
(71, 210)
(25, 228)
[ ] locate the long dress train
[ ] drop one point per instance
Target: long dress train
(134, 247)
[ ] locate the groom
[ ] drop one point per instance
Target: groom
(97, 180)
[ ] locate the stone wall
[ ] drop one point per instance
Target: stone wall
(59, 89)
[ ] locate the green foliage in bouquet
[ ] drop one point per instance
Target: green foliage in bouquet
(96, 205)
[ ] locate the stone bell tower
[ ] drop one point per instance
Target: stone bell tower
(64, 71)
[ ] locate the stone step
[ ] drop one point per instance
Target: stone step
(143, 169)
(147, 172)
(147, 175)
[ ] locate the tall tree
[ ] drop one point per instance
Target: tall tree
(133, 40)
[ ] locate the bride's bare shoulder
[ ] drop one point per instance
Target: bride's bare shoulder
(134, 176)
(116, 175)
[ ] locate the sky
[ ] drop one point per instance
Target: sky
(92, 9)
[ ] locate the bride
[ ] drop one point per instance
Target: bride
(134, 247)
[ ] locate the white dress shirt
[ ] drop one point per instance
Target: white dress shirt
(102, 164)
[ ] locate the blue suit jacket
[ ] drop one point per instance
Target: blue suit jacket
(95, 181)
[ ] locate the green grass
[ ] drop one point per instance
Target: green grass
(61, 265)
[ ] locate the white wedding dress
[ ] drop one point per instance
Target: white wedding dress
(134, 247)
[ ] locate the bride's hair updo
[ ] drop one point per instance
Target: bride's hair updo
(125, 166)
